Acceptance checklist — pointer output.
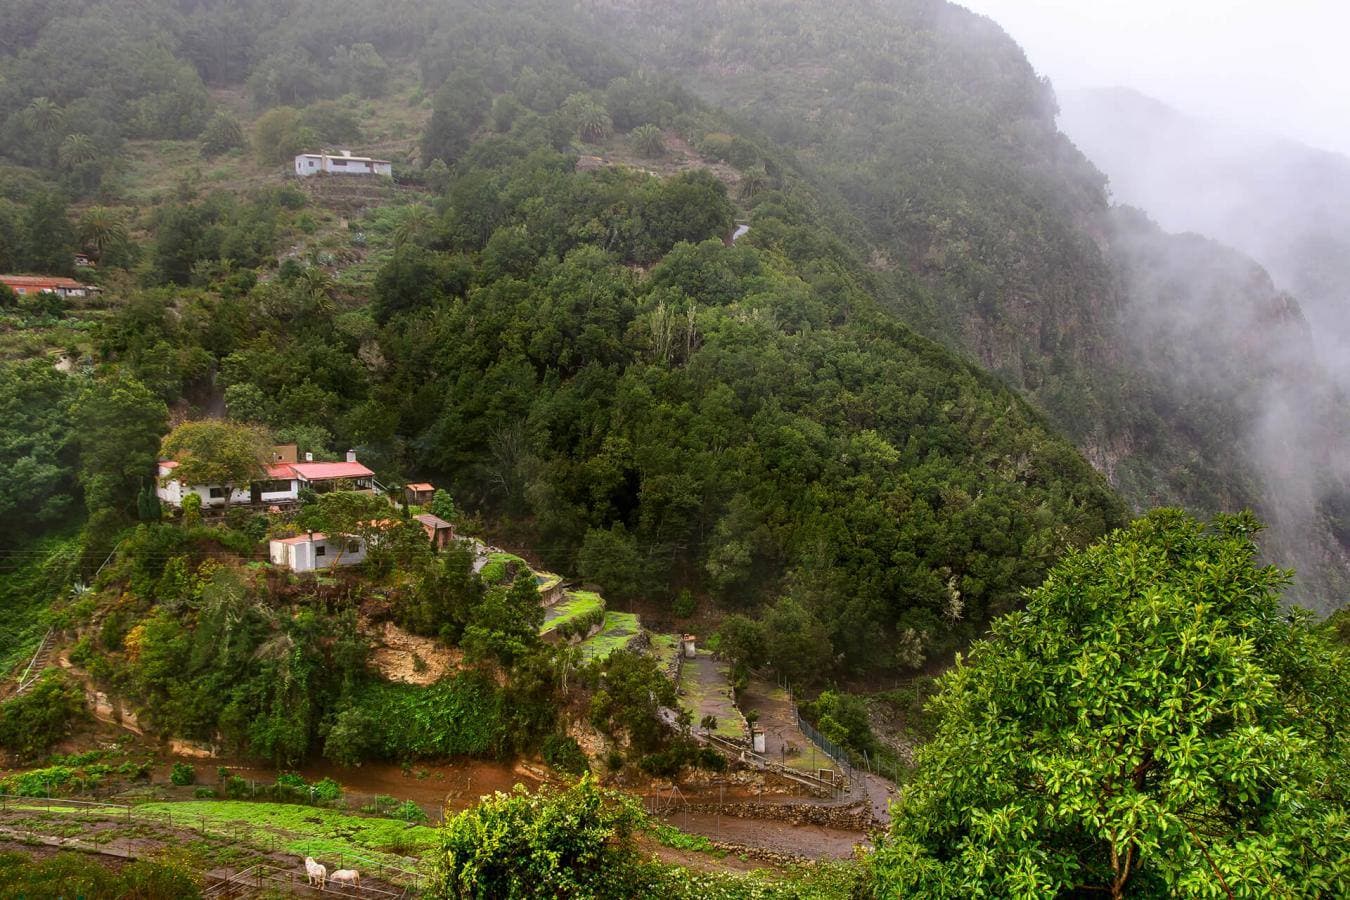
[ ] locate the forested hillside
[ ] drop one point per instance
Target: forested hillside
(992, 233)
(573, 347)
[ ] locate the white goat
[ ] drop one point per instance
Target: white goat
(317, 874)
(347, 876)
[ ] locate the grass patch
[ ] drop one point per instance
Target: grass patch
(300, 830)
(674, 838)
(665, 649)
(619, 630)
(577, 608)
(306, 830)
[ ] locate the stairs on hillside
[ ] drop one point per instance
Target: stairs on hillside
(38, 664)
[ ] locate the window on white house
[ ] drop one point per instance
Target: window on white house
(321, 550)
(217, 493)
(353, 546)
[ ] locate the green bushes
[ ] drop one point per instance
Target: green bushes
(183, 774)
(563, 753)
(575, 843)
(32, 722)
(457, 716)
(75, 875)
(68, 775)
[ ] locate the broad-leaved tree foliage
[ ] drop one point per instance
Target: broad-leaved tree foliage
(1153, 724)
(215, 452)
(576, 843)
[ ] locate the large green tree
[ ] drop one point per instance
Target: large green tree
(118, 423)
(1153, 724)
(216, 452)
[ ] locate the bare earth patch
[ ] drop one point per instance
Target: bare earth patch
(410, 658)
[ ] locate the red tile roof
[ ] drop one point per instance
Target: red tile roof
(422, 486)
(168, 463)
(432, 521)
(327, 471)
(280, 471)
(42, 282)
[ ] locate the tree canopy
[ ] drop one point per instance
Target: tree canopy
(1153, 724)
(216, 452)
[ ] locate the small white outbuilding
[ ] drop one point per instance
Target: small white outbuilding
(314, 551)
(340, 163)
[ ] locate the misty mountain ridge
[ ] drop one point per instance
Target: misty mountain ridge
(1284, 203)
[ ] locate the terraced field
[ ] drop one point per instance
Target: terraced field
(619, 630)
(575, 608)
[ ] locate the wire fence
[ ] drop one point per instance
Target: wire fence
(129, 842)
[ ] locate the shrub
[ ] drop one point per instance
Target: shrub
(204, 793)
(32, 722)
(685, 605)
(409, 811)
(563, 753)
(183, 774)
(327, 791)
(574, 843)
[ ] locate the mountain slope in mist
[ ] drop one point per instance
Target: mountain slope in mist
(995, 234)
(1285, 204)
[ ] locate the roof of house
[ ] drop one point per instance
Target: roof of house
(346, 156)
(301, 538)
(327, 471)
(168, 463)
(280, 470)
(44, 282)
(422, 486)
(432, 521)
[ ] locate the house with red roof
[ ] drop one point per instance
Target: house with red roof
(37, 284)
(286, 478)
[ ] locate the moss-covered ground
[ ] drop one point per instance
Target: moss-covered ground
(619, 630)
(705, 690)
(575, 605)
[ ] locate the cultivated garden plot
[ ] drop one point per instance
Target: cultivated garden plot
(705, 690)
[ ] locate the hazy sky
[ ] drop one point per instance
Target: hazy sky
(1278, 66)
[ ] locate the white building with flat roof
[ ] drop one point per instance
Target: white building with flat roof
(340, 163)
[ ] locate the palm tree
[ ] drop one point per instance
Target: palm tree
(76, 150)
(413, 227)
(43, 116)
(753, 180)
(589, 117)
(102, 229)
(649, 141)
(315, 286)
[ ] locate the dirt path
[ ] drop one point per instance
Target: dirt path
(812, 841)
(784, 741)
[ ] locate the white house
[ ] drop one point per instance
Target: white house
(285, 480)
(314, 551)
(340, 163)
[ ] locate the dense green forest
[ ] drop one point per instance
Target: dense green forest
(986, 229)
